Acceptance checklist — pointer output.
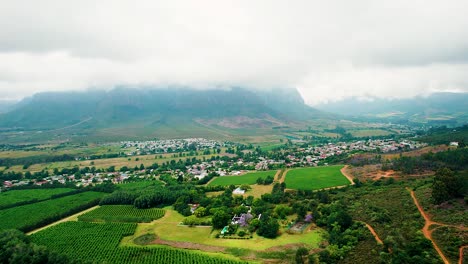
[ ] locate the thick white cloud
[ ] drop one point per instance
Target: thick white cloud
(327, 49)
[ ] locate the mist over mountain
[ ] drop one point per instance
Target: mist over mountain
(6, 105)
(233, 107)
(437, 108)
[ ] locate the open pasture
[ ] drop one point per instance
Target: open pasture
(99, 243)
(248, 178)
(122, 213)
(315, 178)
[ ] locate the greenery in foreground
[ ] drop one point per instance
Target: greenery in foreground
(99, 242)
(16, 247)
(389, 209)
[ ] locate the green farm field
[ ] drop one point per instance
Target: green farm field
(10, 198)
(31, 216)
(248, 178)
(122, 213)
(100, 243)
(139, 184)
(315, 178)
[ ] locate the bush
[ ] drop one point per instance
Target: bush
(241, 233)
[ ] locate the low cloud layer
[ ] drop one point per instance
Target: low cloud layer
(328, 50)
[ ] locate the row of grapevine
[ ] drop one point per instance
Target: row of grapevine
(31, 216)
(122, 213)
(14, 198)
(99, 243)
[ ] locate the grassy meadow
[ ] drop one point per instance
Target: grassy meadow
(315, 178)
(167, 228)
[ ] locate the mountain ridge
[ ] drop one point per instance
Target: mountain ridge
(52, 110)
(436, 109)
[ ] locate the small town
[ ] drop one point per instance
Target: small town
(221, 163)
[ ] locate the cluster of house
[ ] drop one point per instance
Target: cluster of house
(381, 145)
(303, 156)
(170, 145)
(86, 179)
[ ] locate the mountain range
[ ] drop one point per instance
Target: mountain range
(435, 109)
(163, 111)
(175, 112)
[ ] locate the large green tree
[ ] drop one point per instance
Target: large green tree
(446, 185)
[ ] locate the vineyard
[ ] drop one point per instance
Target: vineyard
(138, 184)
(17, 197)
(31, 216)
(99, 243)
(122, 213)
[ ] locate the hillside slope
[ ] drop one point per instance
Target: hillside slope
(134, 112)
(436, 109)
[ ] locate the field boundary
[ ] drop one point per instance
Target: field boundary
(346, 174)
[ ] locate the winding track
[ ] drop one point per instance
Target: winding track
(428, 233)
(371, 229)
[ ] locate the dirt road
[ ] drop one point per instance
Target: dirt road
(428, 222)
(460, 260)
(283, 175)
(347, 175)
(377, 238)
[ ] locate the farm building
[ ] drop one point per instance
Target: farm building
(238, 190)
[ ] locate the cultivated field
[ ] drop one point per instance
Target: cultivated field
(130, 162)
(139, 184)
(248, 178)
(122, 213)
(369, 132)
(15, 197)
(99, 243)
(31, 216)
(315, 178)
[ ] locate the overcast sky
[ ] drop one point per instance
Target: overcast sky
(326, 49)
